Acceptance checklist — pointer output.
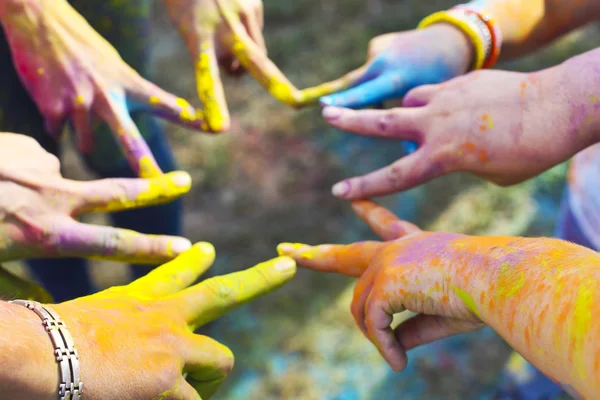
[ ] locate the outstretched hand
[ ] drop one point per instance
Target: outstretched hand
(505, 127)
(411, 270)
(137, 341)
(38, 209)
(73, 74)
(399, 62)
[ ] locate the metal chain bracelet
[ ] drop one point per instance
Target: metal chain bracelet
(70, 386)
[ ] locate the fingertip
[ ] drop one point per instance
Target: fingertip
(341, 189)
(180, 245)
(326, 101)
(285, 265)
(286, 249)
(206, 250)
(332, 113)
(180, 179)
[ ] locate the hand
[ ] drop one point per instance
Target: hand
(38, 209)
(505, 127)
(13, 287)
(228, 32)
(412, 270)
(135, 341)
(398, 62)
(73, 74)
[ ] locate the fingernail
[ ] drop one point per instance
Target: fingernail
(180, 245)
(341, 189)
(206, 249)
(332, 113)
(326, 101)
(285, 265)
(181, 179)
(284, 249)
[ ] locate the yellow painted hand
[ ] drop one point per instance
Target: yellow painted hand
(228, 32)
(137, 341)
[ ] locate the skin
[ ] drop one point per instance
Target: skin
(519, 132)
(39, 209)
(538, 294)
(74, 74)
(149, 322)
(399, 62)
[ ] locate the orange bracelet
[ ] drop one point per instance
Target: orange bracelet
(495, 32)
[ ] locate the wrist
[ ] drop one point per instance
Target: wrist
(27, 356)
(455, 46)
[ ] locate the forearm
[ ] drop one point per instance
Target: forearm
(528, 25)
(541, 295)
(26, 356)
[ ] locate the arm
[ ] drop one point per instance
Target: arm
(528, 25)
(540, 295)
(26, 355)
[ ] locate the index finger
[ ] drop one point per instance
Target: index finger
(113, 109)
(118, 194)
(214, 297)
(351, 260)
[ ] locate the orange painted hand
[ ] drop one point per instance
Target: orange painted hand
(137, 341)
(412, 270)
(38, 209)
(73, 74)
(228, 32)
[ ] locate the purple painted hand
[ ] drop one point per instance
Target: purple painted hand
(72, 73)
(505, 127)
(38, 209)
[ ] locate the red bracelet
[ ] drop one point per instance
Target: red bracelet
(494, 32)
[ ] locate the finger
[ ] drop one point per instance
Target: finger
(80, 119)
(217, 296)
(420, 96)
(256, 62)
(183, 391)
(177, 274)
(323, 92)
(361, 293)
(113, 110)
(423, 329)
(410, 171)
(119, 194)
(210, 87)
(207, 364)
(350, 260)
(383, 222)
(378, 318)
(165, 104)
(75, 239)
(397, 123)
(14, 287)
(252, 25)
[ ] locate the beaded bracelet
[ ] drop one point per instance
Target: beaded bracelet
(70, 386)
(472, 26)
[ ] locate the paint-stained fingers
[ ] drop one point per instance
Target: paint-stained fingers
(325, 91)
(375, 91)
(258, 64)
(378, 318)
(75, 239)
(207, 364)
(214, 297)
(420, 96)
(423, 329)
(362, 290)
(14, 287)
(119, 194)
(351, 260)
(113, 109)
(177, 274)
(163, 103)
(396, 123)
(210, 87)
(383, 222)
(406, 173)
(252, 23)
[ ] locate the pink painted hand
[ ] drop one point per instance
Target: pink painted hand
(137, 341)
(72, 73)
(38, 209)
(505, 127)
(228, 32)
(539, 294)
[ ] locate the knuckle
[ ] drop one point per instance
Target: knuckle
(221, 290)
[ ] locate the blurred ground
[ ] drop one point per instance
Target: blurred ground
(268, 181)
